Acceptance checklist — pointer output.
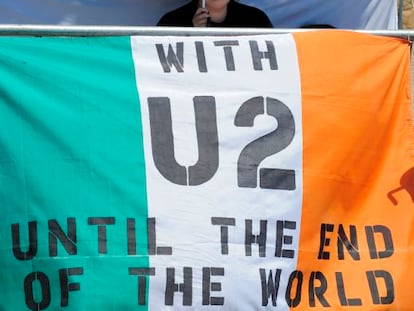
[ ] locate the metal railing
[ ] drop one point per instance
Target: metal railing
(61, 30)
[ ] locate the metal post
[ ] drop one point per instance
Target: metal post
(400, 14)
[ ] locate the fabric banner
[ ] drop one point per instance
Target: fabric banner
(206, 173)
(350, 14)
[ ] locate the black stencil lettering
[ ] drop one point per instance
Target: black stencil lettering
(163, 141)
(257, 55)
(282, 239)
(387, 238)
(143, 274)
(224, 224)
(17, 249)
(131, 237)
(153, 249)
(256, 151)
(270, 286)
(260, 239)
(101, 222)
(45, 291)
(68, 241)
(342, 295)
(66, 286)
(372, 277)
(186, 287)
(324, 241)
(351, 245)
(209, 286)
(201, 57)
(228, 52)
(172, 58)
(296, 277)
(318, 291)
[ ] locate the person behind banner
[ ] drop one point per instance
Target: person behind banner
(216, 13)
(318, 26)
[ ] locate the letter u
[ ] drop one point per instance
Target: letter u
(32, 250)
(162, 140)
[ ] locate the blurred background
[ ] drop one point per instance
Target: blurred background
(408, 14)
(345, 14)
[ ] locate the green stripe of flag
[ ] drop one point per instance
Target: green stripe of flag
(71, 152)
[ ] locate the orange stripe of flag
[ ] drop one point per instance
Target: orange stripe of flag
(358, 170)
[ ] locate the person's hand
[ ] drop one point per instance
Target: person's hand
(200, 17)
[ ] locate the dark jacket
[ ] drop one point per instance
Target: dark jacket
(238, 15)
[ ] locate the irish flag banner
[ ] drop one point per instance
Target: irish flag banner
(266, 172)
